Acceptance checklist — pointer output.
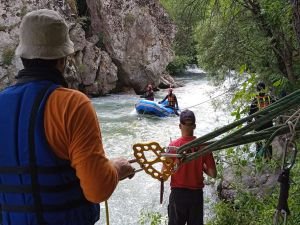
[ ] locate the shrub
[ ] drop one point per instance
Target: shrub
(8, 55)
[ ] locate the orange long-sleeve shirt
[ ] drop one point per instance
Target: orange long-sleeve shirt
(73, 132)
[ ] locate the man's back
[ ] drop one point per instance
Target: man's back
(186, 198)
(44, 187)
(190, 175)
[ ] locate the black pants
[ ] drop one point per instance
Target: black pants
(185, 207)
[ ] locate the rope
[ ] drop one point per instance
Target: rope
(106, 212)
(282, 208)
(206, 100)
(240, 136)
(291, 126)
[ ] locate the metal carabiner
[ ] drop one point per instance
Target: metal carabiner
(283, 215)
(171, 155)
(289, 148)
(177, 157)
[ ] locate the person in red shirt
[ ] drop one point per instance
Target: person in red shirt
(186, 197)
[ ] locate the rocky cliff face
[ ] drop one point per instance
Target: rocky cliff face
(127, 46)
(137, 35)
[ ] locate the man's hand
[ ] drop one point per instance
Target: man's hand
(123, 167)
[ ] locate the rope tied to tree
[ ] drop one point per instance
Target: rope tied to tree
(282, 209)
(241, 135)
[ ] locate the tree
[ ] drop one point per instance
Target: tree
(264, 35)
(184, 44)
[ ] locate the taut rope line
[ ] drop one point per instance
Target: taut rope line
(263, 117)
(205, 101)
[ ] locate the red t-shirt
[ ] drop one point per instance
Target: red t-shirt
(190, 175)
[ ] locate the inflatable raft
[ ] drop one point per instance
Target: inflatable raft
(153, 108)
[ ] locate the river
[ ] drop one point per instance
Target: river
(122, 127)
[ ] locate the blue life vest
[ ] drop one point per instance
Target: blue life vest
(36, 186)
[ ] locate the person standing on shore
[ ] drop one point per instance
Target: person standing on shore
(186, 197)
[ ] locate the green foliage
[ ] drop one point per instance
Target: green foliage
(73, 6)
(248, 209)
(228, 34)
(227, 44)
(152, 218)
(251, 210)
(24, 10)
(8, 55)
(178, 65)
(82, 8)
(129, 20)
(100, 43)
(84, 16)
(246, 91)
(184, 44)
(243, 96)
(85, 22)
(81, 68)
(3, 28)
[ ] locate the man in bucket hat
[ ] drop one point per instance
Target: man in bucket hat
(53, 169)
(186, 197)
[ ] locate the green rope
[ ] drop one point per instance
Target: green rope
(265, 116)
(240, 136)
(249, 138)
(107, 212)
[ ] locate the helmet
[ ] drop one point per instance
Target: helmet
(44, 35)
(260, 86)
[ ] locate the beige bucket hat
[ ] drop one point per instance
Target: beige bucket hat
(44, 35)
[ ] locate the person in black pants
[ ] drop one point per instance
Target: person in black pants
(186, 198)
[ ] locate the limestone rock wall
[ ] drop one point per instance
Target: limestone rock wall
(138, 36)
(128, 45)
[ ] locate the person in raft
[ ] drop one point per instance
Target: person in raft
(172, 101)
(149, 94)
(186, 197)
(53, 168)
